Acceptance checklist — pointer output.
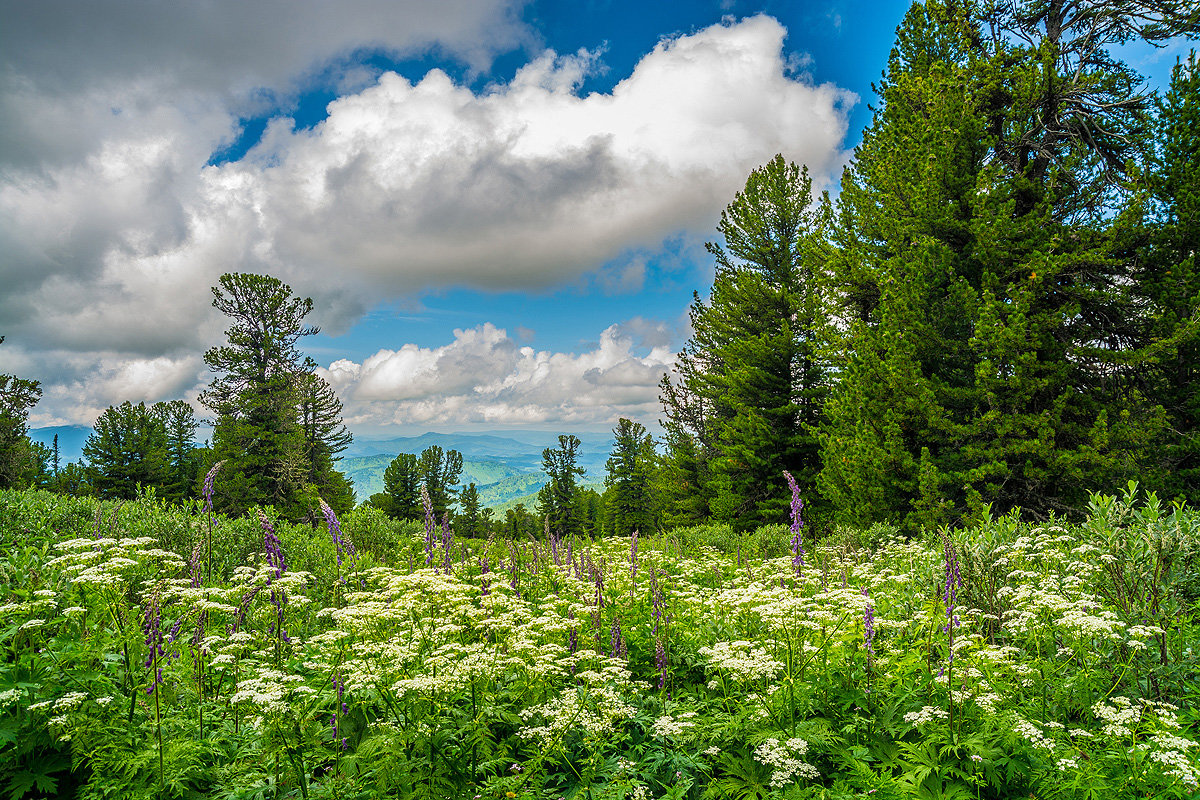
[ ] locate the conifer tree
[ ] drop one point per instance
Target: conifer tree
(183, 463)
(440, 470)
(979, 268)
(557, 500)
(749, 388)
(126, 451)
(1167, 284)
(277, 426)
(628, 499)
(471, 519)
(17, 462)
(401, 495)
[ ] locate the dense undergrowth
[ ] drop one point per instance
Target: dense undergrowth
(151, 650)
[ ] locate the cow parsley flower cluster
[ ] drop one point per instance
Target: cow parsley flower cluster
(784, 758)
(741, 661)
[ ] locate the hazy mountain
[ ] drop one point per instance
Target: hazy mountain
(521, 450)
(367, 473)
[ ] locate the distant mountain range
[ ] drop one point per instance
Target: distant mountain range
(506, 466)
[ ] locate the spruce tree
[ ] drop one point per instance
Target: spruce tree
(183, 463)
(471, 519)
(628, 499)
(557, 500)
(440, 470)
(749, 388)
(127, 451)
(1167, 284)
(401, 495)
(17, 460)
(980, 267)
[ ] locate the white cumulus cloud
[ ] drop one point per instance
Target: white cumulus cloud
(114, 224)
(485, 376)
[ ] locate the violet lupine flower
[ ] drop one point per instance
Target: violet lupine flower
(660, 661)
(950, 595)
(619, 650)
(656, 600)
(554, 554)
(572, 634)
(198, 635)
(272, 545)
(274, 550)
(633, 563)
(427, 501)
(243, 607)
(343, 544)
(797, 523)
(194, 563)
(484, 583)
(152, 627)
(869, 624)
(447, 541)
(207, 491)
(340, 708)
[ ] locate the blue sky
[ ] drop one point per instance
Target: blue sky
(841, 43)
(499, 207)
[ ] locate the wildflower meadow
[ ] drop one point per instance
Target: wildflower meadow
(154, 650)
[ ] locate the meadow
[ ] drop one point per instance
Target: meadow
(152, 650)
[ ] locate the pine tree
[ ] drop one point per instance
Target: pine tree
(127, 451)
(750, 386)
(325, 437)
(183, 463)
(439, 472)
(980, 270)
(17, 397)
(683, 481)
(557, 501)
(1168, 284)
(471, 520)
(401, 495)
(628, 499)
(277, 426)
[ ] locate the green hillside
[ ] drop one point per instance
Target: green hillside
(366, 472)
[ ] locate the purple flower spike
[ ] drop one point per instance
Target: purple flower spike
(343, 545)
(869, 624)
(427, 501)
(272, 545)
(152, 627)
(797, 523)
(208, 485)
(950, 595)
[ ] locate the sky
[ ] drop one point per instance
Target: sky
(499, 207)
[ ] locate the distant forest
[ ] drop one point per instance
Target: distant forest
(997, 311)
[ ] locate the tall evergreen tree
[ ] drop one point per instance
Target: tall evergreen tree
(1167, 284)
(439, 472)
(750, 385)
(628, 499)
(325, 437)
(472, 519)
(557, 500)
(17, 461)
(127, 451)
(183, 462)
(683, 481)
(401, 495)
(276, 425)
(978, 263)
